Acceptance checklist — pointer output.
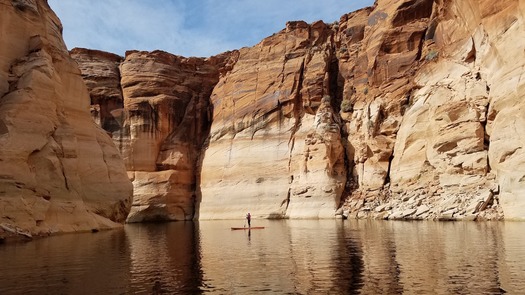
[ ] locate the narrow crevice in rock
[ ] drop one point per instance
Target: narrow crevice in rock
(420, 45)
(335, 91)
(348, 186)
(471, 55)
(60, 157)
(387, 177)
(486, 136)
(196, 198)
(124, 128)
(297, 113)
(287, 200)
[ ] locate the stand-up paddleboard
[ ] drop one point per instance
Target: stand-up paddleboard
(248, 228)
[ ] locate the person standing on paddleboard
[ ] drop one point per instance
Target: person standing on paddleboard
(249, 218)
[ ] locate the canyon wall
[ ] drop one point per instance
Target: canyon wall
(439, 83)
(275, 143)
(59, 172)
(409, 109)
(155, 106)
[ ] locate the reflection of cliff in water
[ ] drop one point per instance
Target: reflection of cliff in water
(165, 257)
(82, 263)
(288, 256)
(367, 259)
(427, 257)
(350, 257)
(308, 256)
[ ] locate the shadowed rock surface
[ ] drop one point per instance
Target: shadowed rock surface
(155, 105)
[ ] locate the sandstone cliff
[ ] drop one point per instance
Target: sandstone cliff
(275, 143)
(427, 122)
(59, 172)
(409, 109)
(155, 105)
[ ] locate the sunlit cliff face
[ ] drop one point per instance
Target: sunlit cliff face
(421, 104)
(59, 172)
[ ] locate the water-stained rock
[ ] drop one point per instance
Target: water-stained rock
(159, 104)
(268, 124)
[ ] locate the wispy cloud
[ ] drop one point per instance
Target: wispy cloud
(186, 27)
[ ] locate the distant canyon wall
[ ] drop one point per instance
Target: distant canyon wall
(156, 107)
(59, 172)
(409, 109)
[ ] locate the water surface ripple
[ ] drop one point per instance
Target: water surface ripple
(287, 257)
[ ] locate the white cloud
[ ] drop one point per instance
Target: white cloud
(189, 28)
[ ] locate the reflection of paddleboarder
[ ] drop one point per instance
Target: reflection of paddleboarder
(249, 218)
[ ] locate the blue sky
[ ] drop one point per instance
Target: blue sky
(186, 27)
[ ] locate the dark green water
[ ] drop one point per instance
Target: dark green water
(287, 257)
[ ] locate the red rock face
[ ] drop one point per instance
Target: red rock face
(401, 110)
(156, 107)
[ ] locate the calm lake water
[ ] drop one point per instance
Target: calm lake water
(287, 257)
